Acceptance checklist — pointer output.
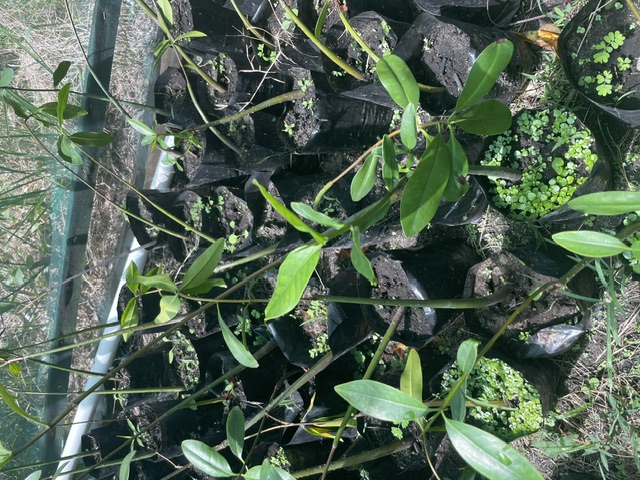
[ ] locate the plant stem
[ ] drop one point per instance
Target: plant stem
(250, 27)
(634, 9)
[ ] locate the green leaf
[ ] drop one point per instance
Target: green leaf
(151, 272)
(411, 379)
(5, 77)
(60, 72)
(14, 369)
(607, 203)
(141, 128)
(70, 111)
(125, 466)
(289, 216)
(455, 189)
(467, 354)
(34, 476)
(322, 17)
(590, 244)
(306, 211)
(235, 346)
(130, 317)
(397, 79)
(266, 471)
(381, 401)
(63, 99)
(202, 267)
(485, 118)
(5, 455)
(206, 459)
(130, 274)
(365, 178)
(359, 260)
(67, 151)
(424, 189)
(158, 52)
(293, 276)
(489, 455)
(13, 405)
(169, 308)
(459, 403)
(484, 72)
(390, 169)
(206, 286)
(91, 139)
(190, 35)
(18, 109)
(166, 11)
(235, 431)
(161, 281)
(409, 127)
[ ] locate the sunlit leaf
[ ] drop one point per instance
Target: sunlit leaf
(424, 189)
(206, 286)
(140, 127)
(130, 275)
(484, 72)
(590, 244)
(322, 17)
(63, 99)
(166, 11)
(489, 455)
(10, 401)
(235, 346)
(161, 281)
(365, 178)
(397, 79)
(91, 139)
(190, 35)
(293, 276)
(235, 431)
(60, 72)
(5, 455)
(206, 459)
(459, 403)
(169, 308)
(202, 267)
(125, 466)
(467, 354)
(306, 211)
(359, 260)
(70, 111)
(485, 118)
(457, 185)
(409, 127)
(130, 317)
(67, 151)
(607, 203)
(14, 369)
(411, 379)
(381, 401)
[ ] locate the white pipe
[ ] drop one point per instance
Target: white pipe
(107, 347)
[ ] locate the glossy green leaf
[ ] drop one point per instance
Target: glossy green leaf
(6, 76)
(125, 466)
(67, 151)
(169, 308)
(374, 213)
(607, 203)
(359, 260)
(390, 169)
(141, 128)
(91, 139)
(10, 401)
(306, 211)
(190, 35)
(202, 267)
(150, 273)
(18, 109)
(397, 79)
(162, 47)
(266, 471)
(130, 317)
(411, 379)
(424, 189)
(381, 401)
(322, 17)
(33, 476)
(457, 185)
(365, 178)
(206, 459)
(590, 244)
(489, 455)
(70, 111)
(14, 369)
(60, 72)
(409, 127)
(289, 216)
(166, 11)
(236, 347)
(485, 118)
(206, 286)
(235, 431)
(484, 72)
(161, 281)
(63, 99)
(459, 403)
(130, 275)
(467, 354)
(293, 276)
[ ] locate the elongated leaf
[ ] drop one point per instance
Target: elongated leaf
(169, 308)
(607, 203)
(411, 379)
(91, 139)
(60, 72)
(5, 455)
(381, 401)
(235, 346)
(306, 211)
(590, 244)
(457, 185)
(202, 267)
(13, 405)
(166, 11)
(409, 127)
(206, 459)
(67, 151)
(6, 76)
(289, 216)
(459, 403)
(489, 455)
(162, 47)
(150, 273)
(14, 369)
(424, 189)
(390, 169)
(365, 178)
(206, 286)
(130, 317)
(34, 476)
(70, 111)
(130, 274)
(161, 281)
(190, 35)
(467, 354)
(397, 79)
(293, 276)
(63, 99)
(322, 17)
(485, 118)
(235, 431)
(484, 72)
(125, 466)
(266, 471)
(140, 127)
(359, 260)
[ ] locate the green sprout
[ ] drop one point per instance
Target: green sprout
(611, 42)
